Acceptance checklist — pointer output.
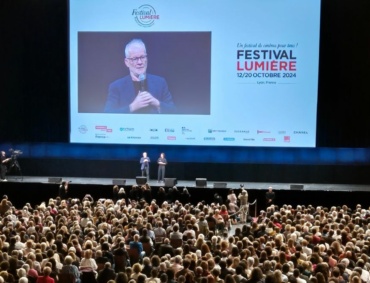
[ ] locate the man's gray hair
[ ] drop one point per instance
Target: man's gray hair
(135, 41)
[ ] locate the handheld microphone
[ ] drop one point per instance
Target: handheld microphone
(142, 82)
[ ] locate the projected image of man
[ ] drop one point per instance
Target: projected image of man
(139, 92)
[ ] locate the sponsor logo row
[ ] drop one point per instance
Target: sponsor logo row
(83, 129)
(285, 139)
(185, 133)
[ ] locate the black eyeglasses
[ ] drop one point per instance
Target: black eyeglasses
(136, 59)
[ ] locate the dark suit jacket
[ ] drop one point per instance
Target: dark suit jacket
(105, 275)
(122, 93)
(165, 249)
(144, 165)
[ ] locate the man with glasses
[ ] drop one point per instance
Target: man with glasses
(139, 92)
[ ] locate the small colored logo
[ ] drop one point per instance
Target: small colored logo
(241, 131)
(185, 130)
(262, 132)
(103, 129)
(210, 131)
(82, 129)
(300, 132)
(145, 15)
(125, 129)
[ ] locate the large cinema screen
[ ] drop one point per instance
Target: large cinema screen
(189, 72)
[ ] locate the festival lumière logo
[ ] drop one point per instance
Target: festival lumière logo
(145, 15)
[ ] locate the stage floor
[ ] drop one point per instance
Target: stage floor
(210, 184)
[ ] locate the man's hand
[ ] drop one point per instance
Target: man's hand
(143, 99)
(6, 160)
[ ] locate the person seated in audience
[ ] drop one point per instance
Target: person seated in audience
(45, 278)
(175, 234)
(68, 268)
(88, 263)
(166, 249)
(106, 274)
(135, 244)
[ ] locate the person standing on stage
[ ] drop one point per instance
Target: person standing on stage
(63, 190)
(3, 168)
(231, 197)
(244, 206)
(144, 161)
(270, 197)
(162, 162)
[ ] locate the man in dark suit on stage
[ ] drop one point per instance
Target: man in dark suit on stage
(3, 168)
(270, 197)
(162, 162)
(144, 161)
(139, 92)
(63, 190)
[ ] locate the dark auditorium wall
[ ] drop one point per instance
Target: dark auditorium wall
(35, 104)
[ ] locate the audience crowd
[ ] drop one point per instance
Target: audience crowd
(132, 238)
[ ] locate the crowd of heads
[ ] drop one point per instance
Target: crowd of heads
(188, 242)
